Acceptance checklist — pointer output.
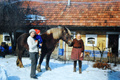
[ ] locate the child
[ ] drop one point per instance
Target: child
(38, 37)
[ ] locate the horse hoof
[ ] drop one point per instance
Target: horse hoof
(38, 68)
(21, 66)
(48, 68)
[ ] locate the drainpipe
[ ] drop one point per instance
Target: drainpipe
(69, 2)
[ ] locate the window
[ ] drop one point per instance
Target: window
(91, 39)
(73, 34)
(6, 38)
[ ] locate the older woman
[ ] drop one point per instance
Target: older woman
(77, 52)
(33, 51)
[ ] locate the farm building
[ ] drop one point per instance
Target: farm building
(96, 20)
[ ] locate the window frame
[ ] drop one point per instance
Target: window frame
(93, 36)
(6, 34)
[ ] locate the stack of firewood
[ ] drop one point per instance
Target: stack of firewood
(102, 65)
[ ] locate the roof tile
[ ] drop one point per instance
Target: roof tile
(96, 13)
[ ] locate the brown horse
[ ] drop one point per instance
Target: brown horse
(50, 39)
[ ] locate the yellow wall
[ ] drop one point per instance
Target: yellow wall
(61, 44)
(1, 40)
(9, 44)
(101, 40)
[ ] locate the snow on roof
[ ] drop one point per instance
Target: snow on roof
(34, 17)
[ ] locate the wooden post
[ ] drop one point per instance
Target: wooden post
(93, 52)
(115, 60)
(65, 53)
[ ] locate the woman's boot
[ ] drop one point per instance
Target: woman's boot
(80, 71)
(80, 65)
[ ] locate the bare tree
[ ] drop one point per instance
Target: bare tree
(101, 48)
(12, 18)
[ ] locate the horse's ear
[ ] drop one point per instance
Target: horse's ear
(65, 28)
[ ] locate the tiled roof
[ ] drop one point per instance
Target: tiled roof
(79, 0)
(81, 12)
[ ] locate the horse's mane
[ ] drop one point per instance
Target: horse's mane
(57, 32)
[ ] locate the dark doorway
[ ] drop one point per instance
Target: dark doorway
(18, 34)
(113, 43)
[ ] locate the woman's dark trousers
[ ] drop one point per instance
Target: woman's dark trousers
(34, 59)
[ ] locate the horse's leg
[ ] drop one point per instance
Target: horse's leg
(40, 61)
(17, 62)
(19, 59)
(47, 61)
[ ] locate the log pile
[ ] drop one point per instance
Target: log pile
(101, 65)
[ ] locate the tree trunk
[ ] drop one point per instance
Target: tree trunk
(94, 55)
(101, 57)
(12, 42)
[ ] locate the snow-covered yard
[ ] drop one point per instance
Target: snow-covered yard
(60, 71)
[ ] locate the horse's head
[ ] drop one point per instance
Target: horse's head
(66, 35)
(61, 33)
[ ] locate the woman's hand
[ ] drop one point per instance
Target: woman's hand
(81, 54)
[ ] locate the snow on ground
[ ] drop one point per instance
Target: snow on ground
(60, 71)
(2, 74)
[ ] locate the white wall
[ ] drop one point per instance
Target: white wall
(106, 41)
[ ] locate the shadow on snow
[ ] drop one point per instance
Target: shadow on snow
(55, 64)
(11, 77)
(113, 75)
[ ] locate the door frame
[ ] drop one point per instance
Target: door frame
(108, 33)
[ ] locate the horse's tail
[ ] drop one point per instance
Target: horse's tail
(17, 45)
(16, 48)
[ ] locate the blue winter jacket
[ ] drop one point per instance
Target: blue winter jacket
(38, 37)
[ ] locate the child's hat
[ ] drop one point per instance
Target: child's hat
(37, 31)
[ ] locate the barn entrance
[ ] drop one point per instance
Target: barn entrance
(18, 34)
(113, 43)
